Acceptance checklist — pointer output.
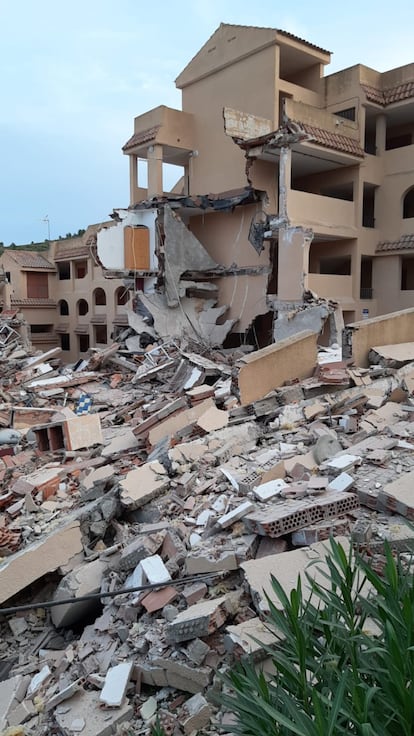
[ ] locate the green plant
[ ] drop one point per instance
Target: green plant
(343, 656)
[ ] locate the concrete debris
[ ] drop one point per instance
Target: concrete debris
(196, 474)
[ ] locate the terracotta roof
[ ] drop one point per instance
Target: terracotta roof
(333, 140)
(144, 137)
(16, 301)
(406, 242)
(75, 251)
(387, 96)
(30, 259)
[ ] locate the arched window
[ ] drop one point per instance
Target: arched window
(63, 308)
(83, 307)
(99, 297)
(408, 204)
(121, 296)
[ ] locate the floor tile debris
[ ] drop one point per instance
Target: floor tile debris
(189, 476)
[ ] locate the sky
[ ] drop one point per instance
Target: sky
(75, 74)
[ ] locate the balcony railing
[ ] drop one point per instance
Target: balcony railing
(366, 292)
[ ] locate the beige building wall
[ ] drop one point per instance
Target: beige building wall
(346, 183)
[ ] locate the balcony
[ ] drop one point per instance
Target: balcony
(325, 215)
(165, 126)
(330, 286)
(399, 159)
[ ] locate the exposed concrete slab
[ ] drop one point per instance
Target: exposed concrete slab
(389, 329)
(183, 252)
(98, 721)
(142, 484)
(266, 369)
(39, 558)
(286, 567)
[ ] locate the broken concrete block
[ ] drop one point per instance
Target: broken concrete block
(320, 531)
(21, 713)
(83, 431)
(142, 484)
(398, 497)
(194, 593)
(85, 579)
(7, 698)
(199, 620)
(195, 714)
(99, 722)
(292, 515)
(121, 442)
(116, 683)
(184, 676)
(248, 637)
(143, 546)
(213, 419)
(39, 558)
(38, 681)
(286, 569)
(156, 600)
(341, 483)
(155, 570)
(272, 366)
(266, 491)
(232, 516)
(342, 463)
(197, 651)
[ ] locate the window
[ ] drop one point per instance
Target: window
(348, 113)
(81, 269)
(99, 297)
(8, 277)
(368, 206)
(83, 307)
(408, 204)
(37, 285)
(83, 342)
(63, 308)
(121, 296)
(64, 270)
(40, 329)
(101, 336)
(366, 278)
(407, 273)
(65, 341)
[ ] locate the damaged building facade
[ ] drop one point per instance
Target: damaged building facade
(312, 182)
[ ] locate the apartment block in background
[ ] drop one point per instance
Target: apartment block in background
(64, 296)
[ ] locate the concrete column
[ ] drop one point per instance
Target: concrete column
(293, 263)
(381, 134)
(285, 168)
(133, 177)
(155, 186)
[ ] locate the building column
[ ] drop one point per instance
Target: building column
(381, 134)
(155, 186)
(285, 167)
(133, 177)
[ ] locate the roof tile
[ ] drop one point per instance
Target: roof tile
(387, 96)
(30, 259)
(333, 140)
(406, 242)
(139, 138)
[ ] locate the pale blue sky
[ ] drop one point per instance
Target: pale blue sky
(75, 74)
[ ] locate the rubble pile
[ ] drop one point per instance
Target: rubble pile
(146, 499)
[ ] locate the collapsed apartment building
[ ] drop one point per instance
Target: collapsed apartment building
(149, 491)
(293, 184)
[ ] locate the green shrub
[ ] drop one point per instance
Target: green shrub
(343, 656)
